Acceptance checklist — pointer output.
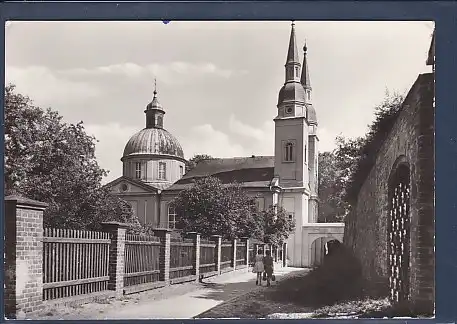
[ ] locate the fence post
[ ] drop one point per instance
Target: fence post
(116, 265)
(23, 256)
(284, 254)
(234, 242)
(256, 248)
(246, 257)
(218, 240)
(196, 262)
(164, 258)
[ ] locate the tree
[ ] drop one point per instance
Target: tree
(342, 171)
(54, 162)
(212, 208)
(366, 148)
(331, 188)
(277, 225)
(192, 163)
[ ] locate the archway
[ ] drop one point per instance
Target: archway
(321, 247)
(399, 233)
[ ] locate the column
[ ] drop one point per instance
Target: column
(164, 258)
(234, 254)
(218, 240)
(116, 264)
(23, 256)
(196, 261)
(246, 257)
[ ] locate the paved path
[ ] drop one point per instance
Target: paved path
(186, 306)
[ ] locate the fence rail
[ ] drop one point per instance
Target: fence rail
(77, 262)
(74, 262)
(208, 256)
(226, 254)
(82, 266)
(241, 249)
(182, 255)
(141, 257)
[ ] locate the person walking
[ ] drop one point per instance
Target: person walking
(268, 266)
(258, 267)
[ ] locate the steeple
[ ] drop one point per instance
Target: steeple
(292, 61)
(305, 71)
(154, 111)
(292, 53)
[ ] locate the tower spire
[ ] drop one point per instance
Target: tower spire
(292, 53)
(305, 81)
(155, 87)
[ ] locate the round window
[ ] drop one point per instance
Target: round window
(124, 187)
(289, 110)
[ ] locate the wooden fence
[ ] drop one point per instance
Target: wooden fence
(80, 262)
(226, 255)
(208, 256)
(74, 262)
(182, 254)
(141, 257)
(67, 266)
(241, 253)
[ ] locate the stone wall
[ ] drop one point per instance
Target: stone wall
(410, 141)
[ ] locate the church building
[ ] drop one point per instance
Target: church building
(154, 167)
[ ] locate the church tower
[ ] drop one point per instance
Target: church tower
(296, 150)
(313, 141)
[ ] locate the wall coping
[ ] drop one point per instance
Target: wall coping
(323, 225)
(114, 224)
(19, 200)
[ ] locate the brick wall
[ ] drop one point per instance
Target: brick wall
(411, 140)
(23, 256)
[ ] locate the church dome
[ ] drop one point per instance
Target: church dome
(153, 141)
(291, 91)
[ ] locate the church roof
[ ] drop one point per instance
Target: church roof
(153, 141)
(305, 80)
(311, 114)
(291, 92)
(292, 53)
(257, 171)
(431, 51)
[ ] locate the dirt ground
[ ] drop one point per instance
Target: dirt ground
(97, 309)
(261, 302)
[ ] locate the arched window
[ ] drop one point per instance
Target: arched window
(297, 72)
(288, 152)
(162, 171)
(172, 218)
(138, 170)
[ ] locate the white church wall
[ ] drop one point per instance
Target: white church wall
(150, 169)
(294, 130)
(313, 231)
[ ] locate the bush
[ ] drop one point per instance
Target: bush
(339, 278)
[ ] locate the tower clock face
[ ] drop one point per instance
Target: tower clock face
(289, 110)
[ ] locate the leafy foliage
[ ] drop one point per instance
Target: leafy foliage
(367, 148)
(192, 163)
(212, 208)
(343, 171)
(51, 161)
(277, 225)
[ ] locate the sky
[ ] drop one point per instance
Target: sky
(217, 81)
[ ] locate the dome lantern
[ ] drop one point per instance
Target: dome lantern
(154, 111)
